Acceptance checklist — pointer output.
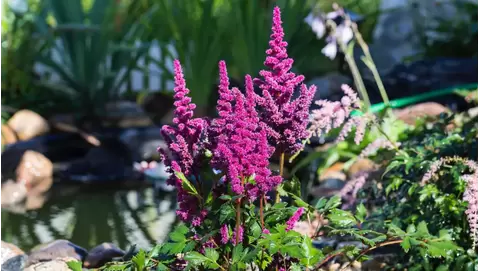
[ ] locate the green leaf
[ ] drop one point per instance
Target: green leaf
(139, 260)
(341, 218)
(186, 185)
(312, 255)
(177, 236)
(155, 251)
(75, 265)
(195, 258)
(256, 230)
(422, 229)
(405, 244)
(411, 228)
(212, 254)
(361, 212)
(225, 197)
(226, 212)
(237, 253)
(321, 203)
(198, 259)
(162, 267)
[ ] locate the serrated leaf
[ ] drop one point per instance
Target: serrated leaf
(155, 251)
(195, 258)
(212, 254)
(75, 265)
(237, 253)
(226, 212)
(411, 228)
(422, 229)
(361, 212)
(341, 218)
(177, 236)
(406, 244)
(256, 230)
(139, 260)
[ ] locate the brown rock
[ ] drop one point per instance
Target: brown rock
(28, 124)
(8, 135)
(361, 165)
(428, 109)
(334, 172)
(13, 193)
(35, 170)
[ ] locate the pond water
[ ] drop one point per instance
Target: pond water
(88, 217)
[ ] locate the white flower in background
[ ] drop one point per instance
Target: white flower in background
(330, 50)
(317, 25)
(343, 32)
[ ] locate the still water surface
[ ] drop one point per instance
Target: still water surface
(88, 217)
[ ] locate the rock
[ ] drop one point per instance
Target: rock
(328, 187)
(36, 170)
(28, 124)
(361, 165)
(55, 250)
(143, 143)
(157, 105)
(111, 161)
(125, 114)
(429, 109)
(8, 135)
(333, 172)
(13, 258)
(102, 254)
(329, 86)
(324, 242)
(53, 265)
(13, 193)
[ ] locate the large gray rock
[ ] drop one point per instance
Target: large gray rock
(53, 265)
(102, 254)
(13, 258)
(58, 249)
(395, 36)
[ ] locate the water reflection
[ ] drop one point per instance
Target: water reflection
(90, 217)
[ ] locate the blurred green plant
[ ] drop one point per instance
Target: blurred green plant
(404, 200)
(93, 52)
(200, 32)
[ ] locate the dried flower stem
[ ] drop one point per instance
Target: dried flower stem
(282, 162)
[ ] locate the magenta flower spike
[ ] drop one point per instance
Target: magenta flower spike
(240, 144)
(286, 119)
(294, 219)
(183, 141)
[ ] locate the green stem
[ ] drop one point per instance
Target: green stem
(371, 64)
(357, 78)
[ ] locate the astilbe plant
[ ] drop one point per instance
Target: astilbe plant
(220, 168)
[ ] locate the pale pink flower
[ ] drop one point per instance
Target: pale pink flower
(377, 144)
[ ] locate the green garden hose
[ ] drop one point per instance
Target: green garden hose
(402, 102)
